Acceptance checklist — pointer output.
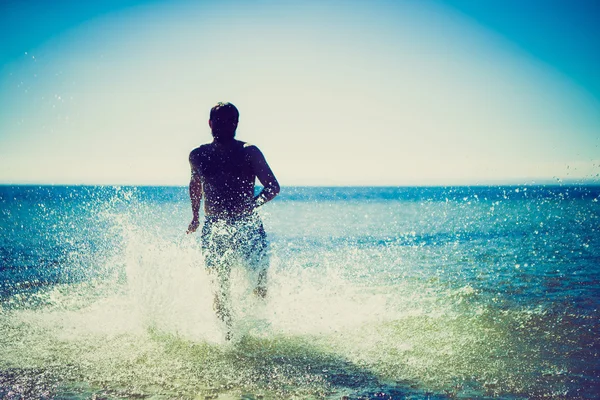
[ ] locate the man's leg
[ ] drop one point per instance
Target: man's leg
(217, 261)
(222, 303)
(261, 285)
(255, 251)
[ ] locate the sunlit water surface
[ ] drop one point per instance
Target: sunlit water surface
(373, 293)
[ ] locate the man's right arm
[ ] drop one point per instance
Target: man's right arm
(195, 190)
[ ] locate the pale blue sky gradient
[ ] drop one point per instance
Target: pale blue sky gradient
(334, 93)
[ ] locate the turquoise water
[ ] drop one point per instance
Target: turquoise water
(469, 292)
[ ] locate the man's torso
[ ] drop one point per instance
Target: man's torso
(227, 178)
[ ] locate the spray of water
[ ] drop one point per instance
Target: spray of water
(329, 327)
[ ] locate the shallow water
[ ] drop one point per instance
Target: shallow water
(373, 293)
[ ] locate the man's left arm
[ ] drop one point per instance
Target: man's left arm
(265, 176)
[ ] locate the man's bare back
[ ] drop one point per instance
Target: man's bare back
(225, 174)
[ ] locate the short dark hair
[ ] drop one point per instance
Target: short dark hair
(224, 118)
(224, 112)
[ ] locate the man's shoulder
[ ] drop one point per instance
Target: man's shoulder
(203, 148)
(246, 145)
(250, 148)
(199, 152)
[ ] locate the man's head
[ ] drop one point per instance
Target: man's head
(223, 121)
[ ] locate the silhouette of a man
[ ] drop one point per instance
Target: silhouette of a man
(223, 173)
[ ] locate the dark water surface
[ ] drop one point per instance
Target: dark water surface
(432, 292)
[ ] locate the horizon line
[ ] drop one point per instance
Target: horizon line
(437, 185)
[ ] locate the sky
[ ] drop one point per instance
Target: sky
(378, 92)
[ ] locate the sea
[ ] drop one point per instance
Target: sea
(474, 292)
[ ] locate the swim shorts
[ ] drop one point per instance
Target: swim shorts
(234, 240)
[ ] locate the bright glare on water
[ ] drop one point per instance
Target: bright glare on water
(373, 293)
